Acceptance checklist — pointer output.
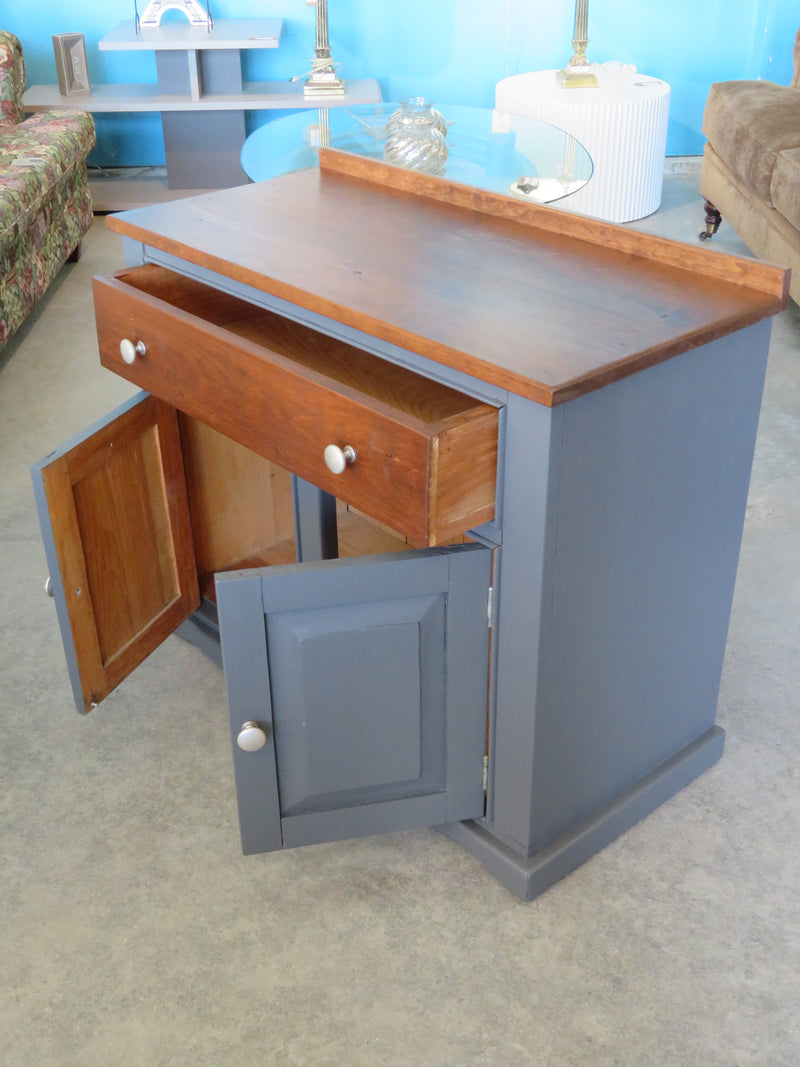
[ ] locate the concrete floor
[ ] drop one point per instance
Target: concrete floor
(135, 933)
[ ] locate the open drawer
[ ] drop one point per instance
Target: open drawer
(414, 454)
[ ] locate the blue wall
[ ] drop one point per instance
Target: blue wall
(449, 50)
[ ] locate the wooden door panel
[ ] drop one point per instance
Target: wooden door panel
(368, 678)
(115, 521)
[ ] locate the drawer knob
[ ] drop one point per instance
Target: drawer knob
(251, 737)
(129, 351)
(336, 459)
(48, 586)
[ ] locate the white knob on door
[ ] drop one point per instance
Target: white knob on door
(251, 737)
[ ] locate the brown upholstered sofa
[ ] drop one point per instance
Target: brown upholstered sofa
(751, 166)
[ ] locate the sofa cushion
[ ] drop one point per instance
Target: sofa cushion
(749, 124)
(12, 79)
(34, 157)
(785, 186)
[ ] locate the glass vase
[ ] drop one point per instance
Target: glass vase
(416, 137)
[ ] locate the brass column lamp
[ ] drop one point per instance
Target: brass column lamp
(324, 80)
(576, 74)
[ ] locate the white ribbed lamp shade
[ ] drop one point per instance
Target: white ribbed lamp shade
(624, 130)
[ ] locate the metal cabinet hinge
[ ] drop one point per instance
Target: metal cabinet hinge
(489, 604)
(485, 773)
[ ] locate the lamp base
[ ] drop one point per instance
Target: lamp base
(576, 78)
(324, 83)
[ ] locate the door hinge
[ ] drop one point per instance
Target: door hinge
(489, 605)
(485, 773)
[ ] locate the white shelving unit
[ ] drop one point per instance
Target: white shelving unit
(200, 94)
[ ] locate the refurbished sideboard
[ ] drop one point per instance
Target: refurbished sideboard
(457, 482)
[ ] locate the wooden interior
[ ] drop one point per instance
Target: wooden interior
(240, 503)
(242, 514)
(389, 383)
(358, 535)
(426, 453)
(527, 297)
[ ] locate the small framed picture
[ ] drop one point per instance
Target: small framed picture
(73, 73)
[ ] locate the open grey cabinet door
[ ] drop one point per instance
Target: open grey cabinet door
(114, 516)
(365, 683)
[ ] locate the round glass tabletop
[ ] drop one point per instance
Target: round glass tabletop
(489, 149)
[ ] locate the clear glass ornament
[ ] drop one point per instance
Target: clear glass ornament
(416, 137)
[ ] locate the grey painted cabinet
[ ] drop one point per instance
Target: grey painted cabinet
(579, 400)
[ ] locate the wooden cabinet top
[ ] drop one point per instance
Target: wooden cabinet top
(539, 301)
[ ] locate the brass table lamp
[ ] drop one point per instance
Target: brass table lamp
(576, 74)
(323, 80)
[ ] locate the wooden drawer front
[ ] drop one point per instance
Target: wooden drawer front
(426, 455)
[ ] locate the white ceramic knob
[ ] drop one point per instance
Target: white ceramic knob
(336, 459)
(251, 737)
(129, 351)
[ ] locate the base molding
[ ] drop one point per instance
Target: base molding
(529, 877)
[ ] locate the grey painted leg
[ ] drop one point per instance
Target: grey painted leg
(315, 532)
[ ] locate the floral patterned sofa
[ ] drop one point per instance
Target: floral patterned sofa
(45, 205)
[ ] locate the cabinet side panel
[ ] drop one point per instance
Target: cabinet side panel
(654, 478)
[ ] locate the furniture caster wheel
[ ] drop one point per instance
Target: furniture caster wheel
(713, 220)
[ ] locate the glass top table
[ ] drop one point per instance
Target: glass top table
(495, 150)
